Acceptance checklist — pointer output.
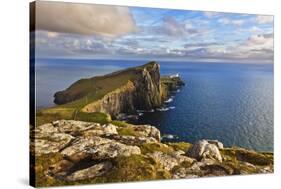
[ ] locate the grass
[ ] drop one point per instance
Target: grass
(97, 117)
(120, 123)
(51, 114)
(84, 91)
(125, 131)
(42, 164)
(57, 113)
(184, 146)
(253, 157)
(136, 168)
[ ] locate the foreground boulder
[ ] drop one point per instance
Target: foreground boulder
(205, 149)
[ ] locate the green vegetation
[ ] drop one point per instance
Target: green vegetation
(239, 154)
(184, 146)
(42, 164)
(57, 113)
(136, 168)
(97, 117)
(89, 90)
(125, 131)
(132, 168)
(120, 123)
(51, 114)
(254, 157)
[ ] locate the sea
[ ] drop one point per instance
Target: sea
(229, 102)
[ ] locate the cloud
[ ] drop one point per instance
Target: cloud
(210, 14)
(261, 19)
(84, 19)
(70, 45)
(233, 22)
(200, 44)
(255, 29)
(173, 28)
(264, 41)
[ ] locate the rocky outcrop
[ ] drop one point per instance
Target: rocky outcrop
(71, 152)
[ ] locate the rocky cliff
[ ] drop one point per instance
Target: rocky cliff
(138, 88)
(71, 152)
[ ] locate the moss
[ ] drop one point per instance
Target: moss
(136, 168)
(228, 154)
(42, 164)
(126, 130)
(184, 164)
(244, 168)
(51, 114)
(153, 147)
(120, 123)
(184, 146)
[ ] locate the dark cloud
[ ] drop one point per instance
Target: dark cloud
(84, 19)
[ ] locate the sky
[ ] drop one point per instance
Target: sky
(69, 30)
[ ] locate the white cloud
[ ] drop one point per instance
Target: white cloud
(261, 19)
(234, 22)
(257, 42)
(224, 21)
(238, 22)
(210, 14)
(85, 19)
(255, 29)
(173, 28)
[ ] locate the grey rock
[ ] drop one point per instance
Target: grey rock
(102, 130)
(73, 126)
(91, 172)
(52, 143)
(99, 148)
(45, 130)
(217, 143)
(169, 161)
(132, 140)
(147, 131)
(203, 149)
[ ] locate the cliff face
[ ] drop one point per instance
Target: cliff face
(142, 90)
(119, 100)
